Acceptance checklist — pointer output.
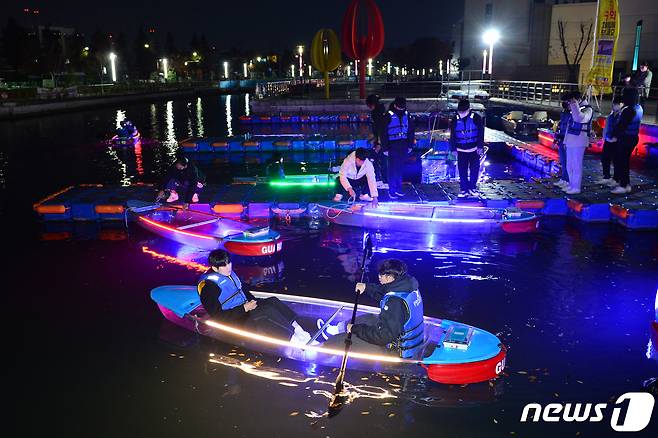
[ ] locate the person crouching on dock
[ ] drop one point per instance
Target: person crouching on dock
(184, 178)
(357, 177)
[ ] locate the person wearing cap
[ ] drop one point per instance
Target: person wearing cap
(467, 138)
(398, 140)
(183, 178)
(378, 124)
(626, 136)
(560, 132)
(577, 139)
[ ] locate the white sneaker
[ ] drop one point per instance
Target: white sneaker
(462, 194)
(300, 337)
(565, 188)
(612, 183)
(621, 190)
(195, 198)
(384, 186)
(380, 184)
(605, 181)
(572, 191)
(365, 197)
(560, 183)
(173, 197)
(338, 197)
(473, 193)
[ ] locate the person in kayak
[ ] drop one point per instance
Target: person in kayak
(184, 178)
(357, 177)
(399, 325)
(224, 298)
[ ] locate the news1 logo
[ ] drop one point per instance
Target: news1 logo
(636, 408)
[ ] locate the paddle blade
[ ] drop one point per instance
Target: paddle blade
(367, 245)
(338, 401)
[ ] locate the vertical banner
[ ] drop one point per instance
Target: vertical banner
(607, 31)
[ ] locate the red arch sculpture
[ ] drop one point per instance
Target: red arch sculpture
(362, 35)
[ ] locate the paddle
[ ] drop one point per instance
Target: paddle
(338, 399)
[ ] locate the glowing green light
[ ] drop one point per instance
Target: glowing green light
(302, 184)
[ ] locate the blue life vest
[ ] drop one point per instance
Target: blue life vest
(398, 128)
(412, 339)
(467, 133)
(575, 128)
(563, 125)
(231, 294)
(633, 128)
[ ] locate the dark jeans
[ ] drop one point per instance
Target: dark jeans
(468, 161)
(606, 158)
(397, 157)
(360, 187)
(272, 318)
(338, 342)
(622, 160)
(183, 188)
(380, 163)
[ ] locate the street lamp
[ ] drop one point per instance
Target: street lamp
(369, 66)
(491, 37)
(225, 69)
(484, 61)
(300, 51)
(113, 68)
(165, 68)
(244, 69)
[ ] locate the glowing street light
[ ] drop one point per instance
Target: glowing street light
(349, 69)
(225, 69)
(369, 66)
(441, 67)
(300, 51)
(195, 54)
(292, 71)
(484, 61)
(113, 58)
(491, 37)
(388, 68)
(244, 69)
(147, 45)
(165, 68)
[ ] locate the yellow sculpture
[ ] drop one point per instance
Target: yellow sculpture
(325, 54)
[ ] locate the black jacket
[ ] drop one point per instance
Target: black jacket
(390, 323)
(210, 299)
(378, 116)
(625, 118)
(191, 174)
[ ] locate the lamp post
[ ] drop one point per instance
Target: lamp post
(225, 69)
(113, 69)
(165, 68)
(300, 52)
(484, 62)
(244, 70)
(491, 37)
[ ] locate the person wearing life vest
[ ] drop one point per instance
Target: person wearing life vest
(398, 141)
(378, 124)
(609, 149)
(467, 138)
(398, 328)
(626, 135)
(226, 300)
(577, 139)
(560, 132)
(357, 178)
(183, 177)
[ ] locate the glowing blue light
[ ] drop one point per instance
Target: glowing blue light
(425, 219)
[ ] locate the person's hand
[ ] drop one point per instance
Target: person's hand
(360, 288)
(186, 206)
(250, 305)
(375, 203)
(351, 192)
(612, 140)
(160, 195)
(349, 328)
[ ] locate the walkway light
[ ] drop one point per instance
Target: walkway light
(113, 68)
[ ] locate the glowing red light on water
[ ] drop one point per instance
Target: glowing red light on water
(188, 264)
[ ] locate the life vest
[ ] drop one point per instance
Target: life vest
(633, 128)
(412, 338)
(575, 128)
(563, 125)
(231, 294)
(610, 123)
(467, 133)
(398, 128)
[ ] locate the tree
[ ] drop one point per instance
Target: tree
(578, 49)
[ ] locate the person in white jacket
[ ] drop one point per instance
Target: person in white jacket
(576, 140)
(357, 176)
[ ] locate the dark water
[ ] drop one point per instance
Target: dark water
(90, 354)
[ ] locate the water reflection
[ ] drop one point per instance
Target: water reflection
(247, 108)
(124, 179)
(170, 142)
(200, 131)
(120, 117)
(229, 118)
(155, 124)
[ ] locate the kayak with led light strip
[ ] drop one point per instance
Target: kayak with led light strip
(431, 218)
(477, 357)
(126, 141)
(209, 231)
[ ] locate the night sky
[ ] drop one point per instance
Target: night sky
(251, 24)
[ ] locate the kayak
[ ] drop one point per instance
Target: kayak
(431, 218)
(126, 140)
(453, 353)
(209, 231)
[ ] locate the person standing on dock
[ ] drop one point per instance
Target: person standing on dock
(467, 138)
(577, 139)
(626, 136)
(609, 148)
(642, 81)
(398, 141)
(560, 132)
(357, 178)
(378, 124)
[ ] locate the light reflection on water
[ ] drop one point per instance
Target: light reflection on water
(229, 118)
